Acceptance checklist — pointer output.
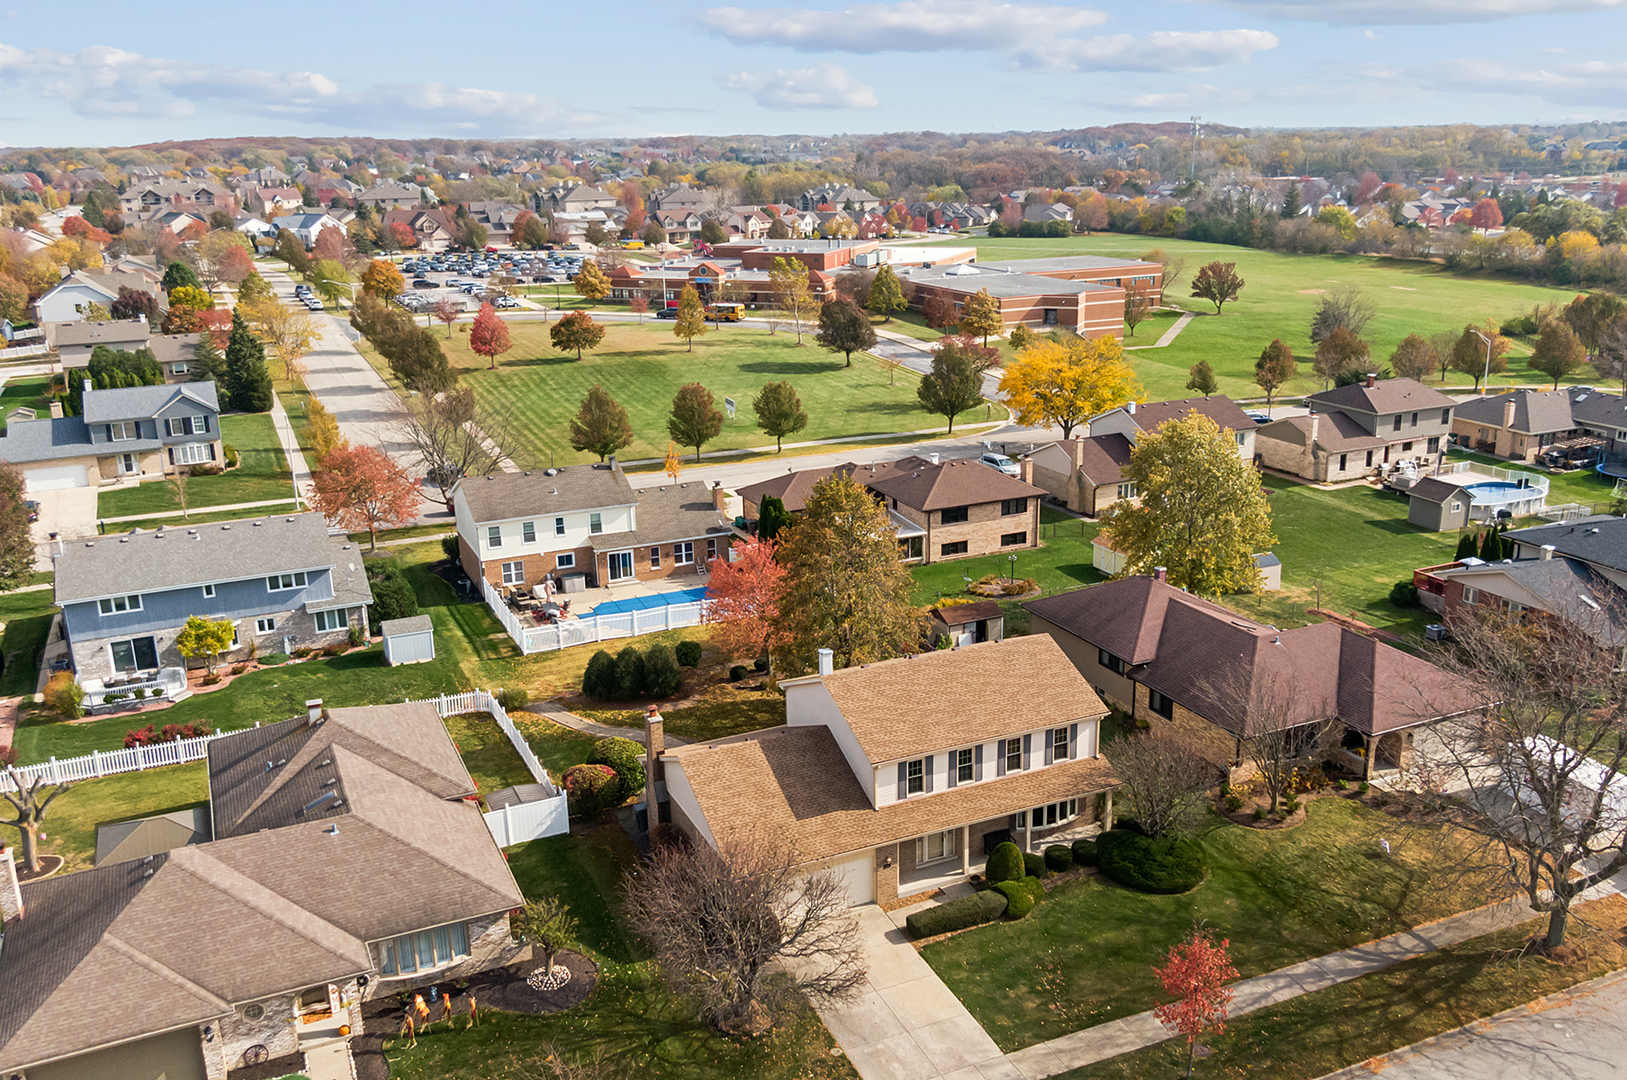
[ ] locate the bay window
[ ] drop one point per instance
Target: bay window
(424, 950)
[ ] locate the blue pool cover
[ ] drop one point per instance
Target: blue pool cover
(640, 603)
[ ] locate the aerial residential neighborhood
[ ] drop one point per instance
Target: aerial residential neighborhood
(866, 549)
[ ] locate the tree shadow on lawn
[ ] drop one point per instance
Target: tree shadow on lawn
(814, 364)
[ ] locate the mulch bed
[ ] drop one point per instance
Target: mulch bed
(273, 1068)
(49, 864)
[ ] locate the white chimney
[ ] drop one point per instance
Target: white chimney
(1547, 552)
(1160, 573)
(827, 662)
(1130, 407)
(932, 458)
(313, 711)
(11, 893)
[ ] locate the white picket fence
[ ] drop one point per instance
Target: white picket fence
(111, 762)
(591, 628)
(486, 702)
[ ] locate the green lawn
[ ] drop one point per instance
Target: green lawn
(1348, 1023)
(1280, 294)
(487, 754)
(71, 820)
(263, 474)
(1085, 954)
(644, 365)
(28, 391)
(748, 710)
(203, 517)
(27, 618)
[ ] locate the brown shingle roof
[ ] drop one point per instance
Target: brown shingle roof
(925, 486)
(505, 496)
(665, 514)
(1103, 459)
(794, 784)
(1433, 490)
(899, 708)
(1536, 412)
(1221, 409)
(1385, 396)
(792, 488)
(1335, 431)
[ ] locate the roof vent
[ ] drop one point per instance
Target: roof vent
(226, 527)
(257, 524)
(550, 472)
(124, 539)
(324, 763)
(318, 802)
(332, 830)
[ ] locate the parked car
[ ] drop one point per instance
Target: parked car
(1259, 417)
(1001, 463)
(667, 313)
(422, 283)
(505, 302)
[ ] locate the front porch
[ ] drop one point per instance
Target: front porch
(944, 859)
(1373, 756)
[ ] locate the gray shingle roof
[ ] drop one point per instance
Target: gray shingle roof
(505, 496)
(99, 332)
(1385, 396)
(1536, 412)
(169, 558)
(141, 402)
(1600, 540)
(1604, 409)
(1567, 588)
(665, 514)
(1430, 489)
(415, 624)
(47, 438)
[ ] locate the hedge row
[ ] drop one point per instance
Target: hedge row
(632, 674)
(958, 914)
(1151, 864)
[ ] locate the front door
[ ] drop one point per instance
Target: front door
(621, 566)
(127, 463)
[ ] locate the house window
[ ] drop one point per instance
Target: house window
(279, 582)
(1008, 507)
(186, 425)
(1050, 316)
(655, 558)
(333, 619)
(514, 572)
(1059, 744)
(1369, 459)
(911, 547)
(957, 548)
(1414, 419)
(565, 560)
(963, 766)
(1111, 662)
(195, 453)
(954, 515)
(936, 847)
(117, 605)
(1127, 491)
(595, 524)
(559, 526)
(1016, 539)
(424, 950)
(1344, 460)
(178, 369)
(1160, 704)
(1013, 751)
(123, 431)
(711, 550)
(209, 590)
(619, 565)
(1435, 445)
(1406, 448)
(683, 554)
(1050, 814)
(135, 654)
(1471, 595)
(494, 536)
(1397, 421)
(1456, 507)
(265, 625)
(915, 777)
(528, 532)
(1446, 416)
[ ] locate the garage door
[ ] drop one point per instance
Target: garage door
(858, 873)
(55, 477)
(176, 1056)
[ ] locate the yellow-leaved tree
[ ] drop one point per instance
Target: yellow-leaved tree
(1202, 515)
(1066, 383)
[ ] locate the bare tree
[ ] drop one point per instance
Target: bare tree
(457, 434)
(546, 1061)
(1344, 307)
(1537, 775)
(177, 483)
(29, 800)
(718, 919)
(448, 311)
(1137, 305)
(1282, 724)
(1165, 776)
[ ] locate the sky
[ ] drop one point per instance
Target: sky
(548, 69)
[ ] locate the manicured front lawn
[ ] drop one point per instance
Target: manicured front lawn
(1085, 954)
(642, 366)
(71, 820)
(1348, 1023)
(262, 474)
(729, 713)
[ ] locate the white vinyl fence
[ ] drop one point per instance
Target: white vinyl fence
(111, 762)
(518, 822)
(591, 628)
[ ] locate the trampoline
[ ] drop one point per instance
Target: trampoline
(643, 603)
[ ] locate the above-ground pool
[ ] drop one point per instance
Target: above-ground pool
(655, 600)
(1510, 494)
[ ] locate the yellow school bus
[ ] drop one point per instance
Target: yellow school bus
(725, 312)
(633, 245)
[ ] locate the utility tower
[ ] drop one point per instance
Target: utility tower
(1197, 133)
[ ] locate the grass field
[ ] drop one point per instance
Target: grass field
(1279, 296)
(71, 821)
(28, 391)
(263, 474)
(643, 367)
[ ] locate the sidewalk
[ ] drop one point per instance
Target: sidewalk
(197, 510)
(290, 447)
(1169, 335)
(552, 710)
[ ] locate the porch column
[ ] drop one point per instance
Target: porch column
(1028, 831)
(965, 850)
(1107, 813)
(1370, 746)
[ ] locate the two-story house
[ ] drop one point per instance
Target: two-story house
(583, 526)
(1360, 430)
(903, 775)
(282, 581)
(345, 862)
(1133, 418)
(131, 433)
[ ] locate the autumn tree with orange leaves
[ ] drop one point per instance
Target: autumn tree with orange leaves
(359, 487)
(1196, 972)
(745, 600)
(488, 337)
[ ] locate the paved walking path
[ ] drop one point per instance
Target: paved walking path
(1169, 335)
(553, 710)
(300, 471)
(197, 510)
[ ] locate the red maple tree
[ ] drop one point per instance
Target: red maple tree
(359, 487)
(1486, 215)
(488, 337)
(745, 599)
(1196, 972)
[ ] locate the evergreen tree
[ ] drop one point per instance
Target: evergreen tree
(248, 383)
(1466, 547)
(177, 274)
(772, 516)
(1291, 200)
(1491, 546)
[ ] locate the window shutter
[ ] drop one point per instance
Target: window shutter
(977, 762)
(1028, 745)
(954, 767)
(168, 427)
(211, 451)
(1073, 741)
(926, 773)
(903, 781)
(109, 432)
(1000, 757)
(1049, 744)
(172, 455)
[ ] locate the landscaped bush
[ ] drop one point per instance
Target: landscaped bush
(1058, 857)
(65, 697)
(1151, 864)
(591, 788)
(302, 652)
(336, 648)
(760, 664)
(233, 458)
(1034, 864)
(688, 653)
(512, 698)
(1084, 852)
(393, 597)
(1021, 895)
(149, 735)
(1404, 594)
(599, 680)
(272, 659)
(625, 757)
(737, 673)
(629, 674)
(662, 677)
(205, 469)
(449, 548)
(357, 636)
(238, 669)
(1005, 863)
(958, 914)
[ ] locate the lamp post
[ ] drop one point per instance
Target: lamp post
(1486, 377)
(1013, 576)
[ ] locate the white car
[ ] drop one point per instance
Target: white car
(1001, 463)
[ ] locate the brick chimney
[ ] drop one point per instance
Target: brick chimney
(720, 498)
(11, 893)
(1160, 573)
(1078, 454)
(1372, 379)
(1025, 469)
(655, 741)
(1508, 413)
(56, 410)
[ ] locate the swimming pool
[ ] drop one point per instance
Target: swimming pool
(643, 603)
(1508, 493)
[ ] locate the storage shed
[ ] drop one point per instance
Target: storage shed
(408, 641)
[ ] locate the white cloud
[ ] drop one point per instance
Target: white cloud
(1164, 50)
(828, 86)
(105, 82)
(1433, 12)
(1584, 82)
(908, 26)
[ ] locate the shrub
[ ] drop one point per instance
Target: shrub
(238, 669)
(393, 597)
(599, 680)
(1151, 864)
(513, 698)
(449, 548)
(1005, 863)
(233, 458)
(629, 674)
(108, 699)
(205, 469)
(211, 680)
(1058, 857)
(624, 757)
(1341, 784)
(272, 659)
(1084, 852)
(662, 676)
(1292, 806)
(1404, 594)
(1034, 864)
(149, 735)
(357, 635)
(65, 697)
(759, 664)
(958, 914)
(737, 673)
(1021, 895)
(591, 788)
(1259, 813)
(689, 653)
(138, 693)
(1365, 787)
(302, 652)
(1234, 803)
